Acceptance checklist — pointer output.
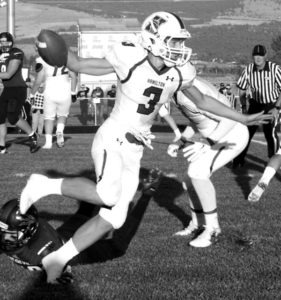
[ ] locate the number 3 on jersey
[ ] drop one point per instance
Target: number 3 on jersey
(146, 109)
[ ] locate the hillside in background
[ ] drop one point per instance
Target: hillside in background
(225, 30)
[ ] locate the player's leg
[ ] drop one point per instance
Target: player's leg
(270, 170)
(50, 116)
(35, 119)
(123, 181)
(271, 136)
(61, 121)
(63, 107)
(49, 127)
(207, 195)
(107, 167)
(200, 171)
(3, 115)
(15, 104)
(196, 210)
(41, 122)
(3, 134)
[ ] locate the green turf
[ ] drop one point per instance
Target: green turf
(144, 260)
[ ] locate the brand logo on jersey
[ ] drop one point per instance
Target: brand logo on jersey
(170, 78)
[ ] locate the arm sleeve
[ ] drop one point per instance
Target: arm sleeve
(242, 81)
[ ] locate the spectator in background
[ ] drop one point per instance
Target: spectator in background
(82, 96)
(263, 77)
(222, 88)
(111, 94)
(14, 93)
(230, 96)
(97, 102)
(37, 109)
(60, 86)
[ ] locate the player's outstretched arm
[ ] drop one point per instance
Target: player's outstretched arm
(210, 104)
(90, 66)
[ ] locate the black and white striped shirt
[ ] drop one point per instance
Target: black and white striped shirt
(265, 84)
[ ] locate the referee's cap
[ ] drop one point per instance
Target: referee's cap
(259, 50)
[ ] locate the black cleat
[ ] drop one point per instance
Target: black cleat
(152, 182)
(33, 146)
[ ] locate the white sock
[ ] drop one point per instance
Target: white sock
(31, 134)
(54, 186)
(66, 252)
(60, 127)
(267, 175)
(49, 139)
(212, 220)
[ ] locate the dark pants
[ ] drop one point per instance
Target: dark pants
(11, 103)
(269, 130)
(84, 111)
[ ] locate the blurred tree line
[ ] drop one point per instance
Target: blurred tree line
(226, 48)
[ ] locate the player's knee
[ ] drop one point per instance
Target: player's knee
(198, 172)
(115, 217)
(13, 119)
(108, 196)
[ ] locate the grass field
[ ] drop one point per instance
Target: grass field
(143, 260)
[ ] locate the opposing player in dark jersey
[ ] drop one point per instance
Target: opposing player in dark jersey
(14, 93)
(149, 73)
(27, 238)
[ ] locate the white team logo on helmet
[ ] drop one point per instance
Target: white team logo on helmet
(164, 35)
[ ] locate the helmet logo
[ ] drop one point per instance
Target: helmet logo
(153, 26)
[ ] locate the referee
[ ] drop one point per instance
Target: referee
(263, 79)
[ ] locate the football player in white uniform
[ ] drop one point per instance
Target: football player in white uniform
(60, 84)
(149, 73)
(223, 139)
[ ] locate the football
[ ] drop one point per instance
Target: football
(52, 48)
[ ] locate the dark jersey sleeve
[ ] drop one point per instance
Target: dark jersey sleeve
(45, 240)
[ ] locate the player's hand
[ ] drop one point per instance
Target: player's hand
(259, 118)
(145, 137)
(195, 150)
(31, 99)
(173, 150)
(73, 97)
(275, 112)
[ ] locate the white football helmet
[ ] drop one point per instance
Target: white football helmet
(164, 35)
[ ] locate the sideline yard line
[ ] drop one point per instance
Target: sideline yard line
(259, 142)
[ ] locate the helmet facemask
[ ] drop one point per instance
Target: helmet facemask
(176, 52)
(16, 229)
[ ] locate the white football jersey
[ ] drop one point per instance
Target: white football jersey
(203, 121)
(57, 80)
(141, 88)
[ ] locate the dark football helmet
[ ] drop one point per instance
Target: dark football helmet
(6, 41)
(16, 229)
